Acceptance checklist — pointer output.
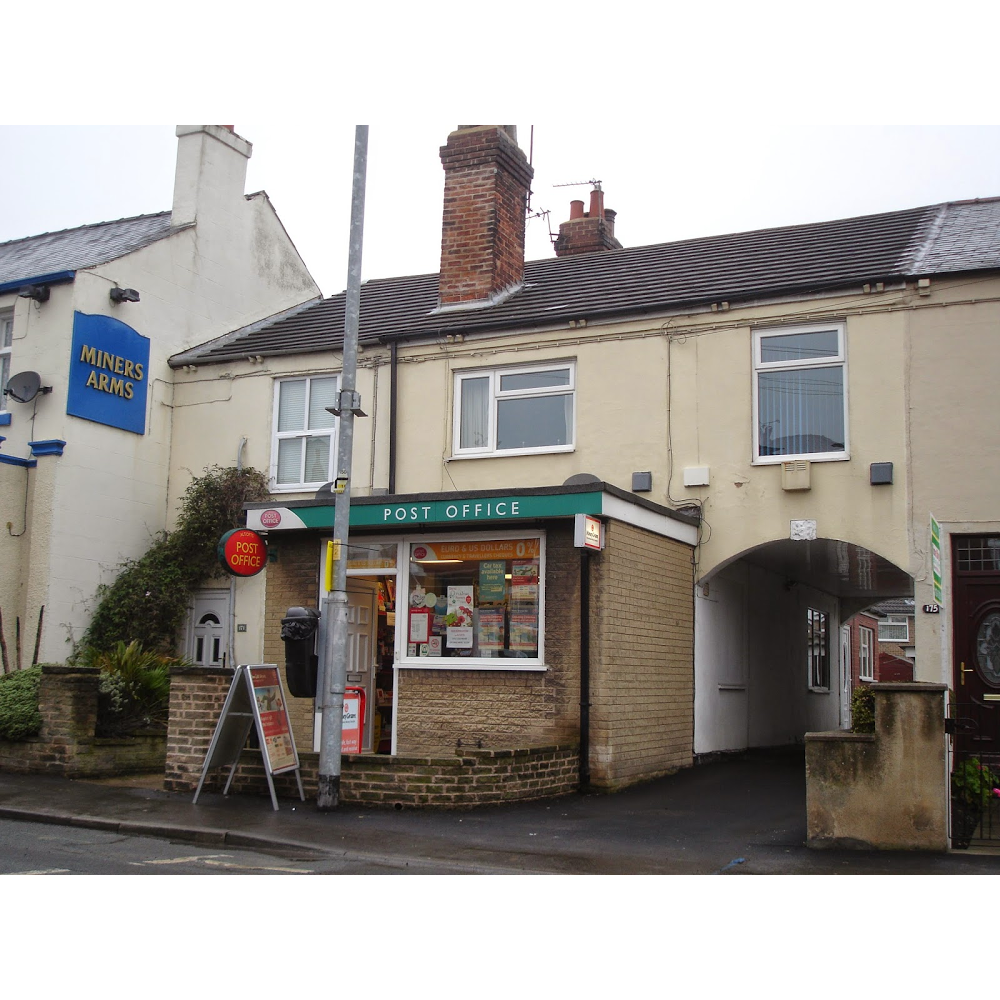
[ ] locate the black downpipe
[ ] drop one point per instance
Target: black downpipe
(393, 372)
(584, 671)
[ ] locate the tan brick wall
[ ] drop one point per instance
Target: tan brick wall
(642, 677)
(503, 708)
(66, 745)
(477, 777)
(642, 657)
(292, 580)
(197, 695)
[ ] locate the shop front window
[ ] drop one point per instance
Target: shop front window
(477, 601)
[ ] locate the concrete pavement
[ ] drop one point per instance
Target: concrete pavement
(745, 815)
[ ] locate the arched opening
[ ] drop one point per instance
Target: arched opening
(769, 659)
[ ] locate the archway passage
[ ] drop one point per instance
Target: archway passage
(768, 664)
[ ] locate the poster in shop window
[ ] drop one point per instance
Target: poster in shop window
(420, 625)
(491, 629)
(524, 630)
(524, 581)
(458, 620)
(459, 637)
(492, 581)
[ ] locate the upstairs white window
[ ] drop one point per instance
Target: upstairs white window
(894, 628)
(515, 411)
(800, 394)
(304, 444)
(6, 338)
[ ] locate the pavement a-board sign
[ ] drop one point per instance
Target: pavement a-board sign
(255, 699)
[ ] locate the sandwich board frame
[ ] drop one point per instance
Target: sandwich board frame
(256, 698)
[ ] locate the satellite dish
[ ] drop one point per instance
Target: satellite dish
(581, 479)
(24, 386)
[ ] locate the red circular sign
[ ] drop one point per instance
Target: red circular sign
(242, 552)
(270, 519)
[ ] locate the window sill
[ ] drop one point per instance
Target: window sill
(813, 690)
(456, 663)
(781, 459)
(513, 453)
(284, 490)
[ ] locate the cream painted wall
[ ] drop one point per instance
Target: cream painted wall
(712, 425)
(954, 338)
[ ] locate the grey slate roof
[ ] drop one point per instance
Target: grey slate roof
(85, 246)
(793, 260)
(893, 606)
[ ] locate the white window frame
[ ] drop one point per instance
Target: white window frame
(277, 436)
(866, 653)
(894, 622)
(819, 680)
(496, 396)
(839, 360)
(534, 663)
(6, 352)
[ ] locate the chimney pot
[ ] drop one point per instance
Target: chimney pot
(592, 232)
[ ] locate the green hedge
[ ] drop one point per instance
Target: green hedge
(19, 715)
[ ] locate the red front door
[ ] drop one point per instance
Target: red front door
(977, 639)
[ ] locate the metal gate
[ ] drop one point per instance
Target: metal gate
(975, 775)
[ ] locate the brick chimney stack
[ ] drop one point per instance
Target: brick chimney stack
(486, 182)
(587, 232)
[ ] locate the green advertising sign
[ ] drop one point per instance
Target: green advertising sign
(492, 580)
(936, 560)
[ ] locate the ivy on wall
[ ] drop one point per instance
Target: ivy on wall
(149, 599)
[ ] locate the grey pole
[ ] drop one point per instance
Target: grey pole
(335, 672)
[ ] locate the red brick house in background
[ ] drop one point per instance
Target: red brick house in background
(880, 640)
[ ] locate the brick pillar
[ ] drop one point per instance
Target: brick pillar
(485, 197)
(197, 695)
(67, 702)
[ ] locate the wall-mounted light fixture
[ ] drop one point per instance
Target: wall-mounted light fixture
(38, 293)
(123, 295)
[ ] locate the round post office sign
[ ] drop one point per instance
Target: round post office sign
(242, 552)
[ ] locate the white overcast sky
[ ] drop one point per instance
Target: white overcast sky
(667, 182)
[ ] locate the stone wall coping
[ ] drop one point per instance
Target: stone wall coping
(65, 671)
(195, 671)
(919, 687)
(840, 735)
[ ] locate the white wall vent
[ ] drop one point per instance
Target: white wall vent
(795, 476)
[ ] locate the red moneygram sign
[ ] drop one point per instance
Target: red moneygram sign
(242, 552)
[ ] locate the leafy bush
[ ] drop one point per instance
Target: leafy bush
(973, 782)
(19, 715)
(863, 710)
(149, 599)
(134, 688)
